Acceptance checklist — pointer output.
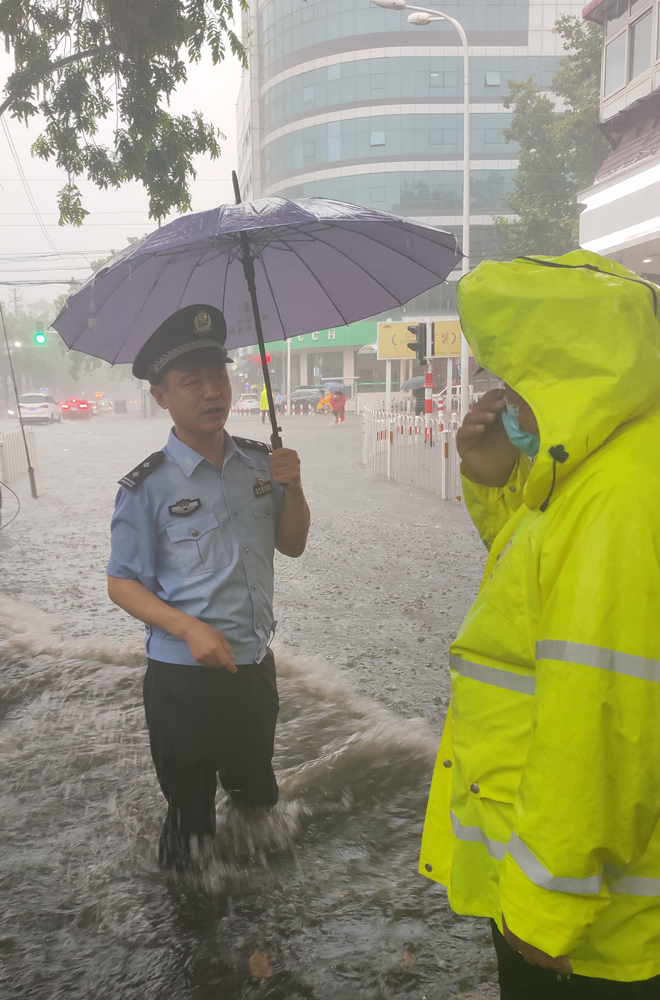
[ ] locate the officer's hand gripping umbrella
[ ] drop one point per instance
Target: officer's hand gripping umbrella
(275, 268)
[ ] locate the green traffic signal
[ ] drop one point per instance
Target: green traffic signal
(40, 337)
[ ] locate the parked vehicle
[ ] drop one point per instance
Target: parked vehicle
(39, 408)
(76, 409)
(120, 406)
(248, 401)
(308, 395)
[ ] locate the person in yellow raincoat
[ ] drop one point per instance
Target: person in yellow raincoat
(263, 404)
(544, 811)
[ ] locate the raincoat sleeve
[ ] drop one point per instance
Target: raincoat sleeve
(490, 507)
(589, 798)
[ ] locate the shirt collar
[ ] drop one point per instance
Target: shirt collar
(187, 459)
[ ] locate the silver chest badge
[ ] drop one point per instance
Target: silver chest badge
(182, 508)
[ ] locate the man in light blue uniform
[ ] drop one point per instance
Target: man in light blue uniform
(192, 544)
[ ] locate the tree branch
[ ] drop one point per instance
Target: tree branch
(44, 71)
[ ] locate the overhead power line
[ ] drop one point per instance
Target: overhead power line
(26, 186)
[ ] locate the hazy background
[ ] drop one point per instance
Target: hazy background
(114, 215)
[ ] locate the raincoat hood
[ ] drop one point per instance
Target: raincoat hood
(577, 337)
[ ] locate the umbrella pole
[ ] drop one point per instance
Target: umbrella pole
(248, 271)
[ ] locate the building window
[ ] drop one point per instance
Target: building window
(307, 11)
(377, 139)
(309, 149)
(334, 72)
(377, 81)
(334, 141)
(493, 78)
(640, 45)
(298, 156)
(615, 63)
(616, 17)
(440, 81)
(377, 194)
(308, 94)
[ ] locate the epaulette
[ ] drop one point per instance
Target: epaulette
(254, 445)
(141, 471)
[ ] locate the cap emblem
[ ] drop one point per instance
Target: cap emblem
(202, 323)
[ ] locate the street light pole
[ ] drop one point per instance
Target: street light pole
(422, 16)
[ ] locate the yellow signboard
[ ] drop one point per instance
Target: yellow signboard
(447, 340)
(393, 339)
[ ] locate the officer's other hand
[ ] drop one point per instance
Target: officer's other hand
(285, 467)
(534, 956)
(487, 454)
(209, 647)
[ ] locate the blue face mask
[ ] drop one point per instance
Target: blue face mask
(524, 441)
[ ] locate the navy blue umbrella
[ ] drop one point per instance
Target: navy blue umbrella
(275, 268)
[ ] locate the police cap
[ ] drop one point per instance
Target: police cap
(188, 329)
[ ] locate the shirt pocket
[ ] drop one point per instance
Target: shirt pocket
(197, 545)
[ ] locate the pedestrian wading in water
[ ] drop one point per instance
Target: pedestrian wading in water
(544, 812)
(192, 543)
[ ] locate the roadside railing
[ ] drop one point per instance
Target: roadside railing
(417, 451)
(13, 460)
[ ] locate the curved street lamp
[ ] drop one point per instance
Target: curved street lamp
(422, 16)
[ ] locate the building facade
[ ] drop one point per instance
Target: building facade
(346, 100)
(622, 214)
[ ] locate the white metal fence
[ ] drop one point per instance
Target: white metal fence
(13, 461)
(413, 450)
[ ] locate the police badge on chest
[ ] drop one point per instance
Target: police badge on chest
(262, 487)
(182, 508)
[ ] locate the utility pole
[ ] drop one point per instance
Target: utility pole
(33, 482)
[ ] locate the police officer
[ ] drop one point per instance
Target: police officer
(192, 543)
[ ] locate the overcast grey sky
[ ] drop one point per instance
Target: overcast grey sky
(114, 215)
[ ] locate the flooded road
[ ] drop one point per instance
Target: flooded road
(320, 898)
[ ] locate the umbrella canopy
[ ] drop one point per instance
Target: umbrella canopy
(318, 264)
(335, 387)
(414, 383)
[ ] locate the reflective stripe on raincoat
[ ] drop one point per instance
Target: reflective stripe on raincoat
(545, 801)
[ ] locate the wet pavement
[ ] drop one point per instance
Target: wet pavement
(319, 899)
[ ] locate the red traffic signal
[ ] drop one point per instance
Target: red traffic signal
(268, 359)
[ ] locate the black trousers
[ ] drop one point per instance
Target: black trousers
(206, 723)
(520, 981)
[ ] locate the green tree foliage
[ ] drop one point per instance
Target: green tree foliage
(561, 148)
(82, 63)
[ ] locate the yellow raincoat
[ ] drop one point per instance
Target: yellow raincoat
(545, 802)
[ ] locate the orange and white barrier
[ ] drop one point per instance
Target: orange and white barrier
(414, 450)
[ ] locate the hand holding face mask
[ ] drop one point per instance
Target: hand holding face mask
(524, 441)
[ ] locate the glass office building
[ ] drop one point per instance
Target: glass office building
(345, 100)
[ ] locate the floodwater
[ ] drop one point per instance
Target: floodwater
(317, 898)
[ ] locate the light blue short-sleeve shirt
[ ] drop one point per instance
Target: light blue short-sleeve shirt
(203, 539)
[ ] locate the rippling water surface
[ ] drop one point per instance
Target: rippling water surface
(319, 898)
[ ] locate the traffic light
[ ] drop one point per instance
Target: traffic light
(40, 337)
(418, 345)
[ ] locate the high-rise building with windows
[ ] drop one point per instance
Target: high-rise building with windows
(346, 100)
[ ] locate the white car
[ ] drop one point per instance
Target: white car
(248, 401)
(39, 407)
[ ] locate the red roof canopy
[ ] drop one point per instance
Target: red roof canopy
(589, 14)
